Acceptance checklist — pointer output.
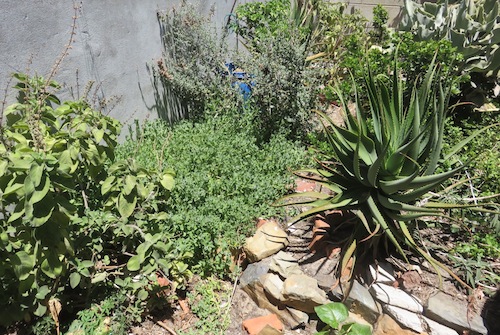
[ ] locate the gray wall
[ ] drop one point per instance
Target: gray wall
(114, 41)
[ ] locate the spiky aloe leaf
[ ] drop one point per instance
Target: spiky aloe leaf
(381, 172)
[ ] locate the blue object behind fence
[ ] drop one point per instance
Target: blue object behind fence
(242, 80)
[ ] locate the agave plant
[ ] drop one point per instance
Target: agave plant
(381, 169)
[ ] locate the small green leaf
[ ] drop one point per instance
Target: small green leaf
(74, 279)
(168, 181)
(130, 182)
(23, 264)
(107, 185)
(13, 189)
(42, 292)
(126, 205)
(52, 266)
(98, 134)
(42, 211)
(36, 173)
(99, 277)
(40, 192)
(134, 263)
(18, 212)
(359, 329)
(40, 310)
(142, 295)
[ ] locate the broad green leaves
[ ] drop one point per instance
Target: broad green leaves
(70, 212)
(336, 317)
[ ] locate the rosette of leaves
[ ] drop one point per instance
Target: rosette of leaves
(384, 161)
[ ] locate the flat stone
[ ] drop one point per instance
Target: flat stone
(251, 282)
(381, 273)
(418, 322)
(267, 240)
(388, 326)
(268, 330)
(254, 271)
(302, 292)
(322, 269)
(452, 312)
(396, 297)
(361, 301)
(301, 317)
(273, 285)
(285, 264)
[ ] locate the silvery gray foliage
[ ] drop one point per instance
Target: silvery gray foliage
(473, 27)
(191, 78)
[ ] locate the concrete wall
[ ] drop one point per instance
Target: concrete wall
(114, 42)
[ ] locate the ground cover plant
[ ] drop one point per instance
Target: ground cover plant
(224, 181)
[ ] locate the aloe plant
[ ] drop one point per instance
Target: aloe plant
(381, 169)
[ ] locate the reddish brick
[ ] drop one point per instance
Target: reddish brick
(255, 325)
(304, 186)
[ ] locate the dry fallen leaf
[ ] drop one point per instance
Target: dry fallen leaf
(55, 308)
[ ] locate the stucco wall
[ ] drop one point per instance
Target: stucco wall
(114, 41)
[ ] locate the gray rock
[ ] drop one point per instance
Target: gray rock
(267, 240)
(301, 317)
(322, 269)
(273, 285)
(302, 292)
(285, 264)
(418, 322)
(252, 283)
(444, 309)
(360, 301)
(254, 271)
(396, 297)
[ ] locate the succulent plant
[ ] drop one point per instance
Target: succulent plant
(382, 166)
(473, 27)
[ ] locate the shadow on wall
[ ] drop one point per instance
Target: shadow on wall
(168, 106)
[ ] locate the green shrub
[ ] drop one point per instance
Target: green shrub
(210, 302)
(192, 81)
(483, 152)
(224, 181)
(189, 75)
(114, 315)
(414, 58)
(259, 20)
(74, 220)
(277, 34)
